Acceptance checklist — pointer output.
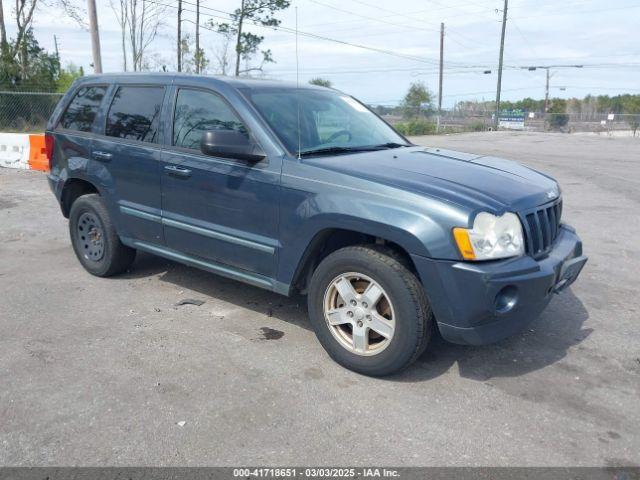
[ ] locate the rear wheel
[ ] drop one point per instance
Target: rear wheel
(369, 311)
(94, 238)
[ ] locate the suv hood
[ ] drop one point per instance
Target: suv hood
(466, 179)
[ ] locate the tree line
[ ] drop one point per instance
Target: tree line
(418, 102)
(590, 104)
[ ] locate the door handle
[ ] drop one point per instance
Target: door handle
(102, 156)
(177, 171)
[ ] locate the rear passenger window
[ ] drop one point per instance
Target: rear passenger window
(83, 108)
(135, 113)
(197, 112)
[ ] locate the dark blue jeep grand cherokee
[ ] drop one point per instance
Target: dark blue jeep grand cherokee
(306, 190)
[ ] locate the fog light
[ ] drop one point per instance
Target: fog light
(506, 299)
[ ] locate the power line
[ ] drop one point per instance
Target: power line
(374, 19)
(301, 33)
(580, 12)
(322, 37)
(411, 15)
(454, 65)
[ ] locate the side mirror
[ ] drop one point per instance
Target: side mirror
(230, 144)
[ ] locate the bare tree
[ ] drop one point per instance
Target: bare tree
(74, 10)
(24, 10)
(155, 62)
(140, 21)
(3, 32)
(222, 54)
(121, 12)
(145, 19)
(186, 61)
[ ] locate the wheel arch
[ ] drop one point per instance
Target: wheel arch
(72, 189)
(329, 240)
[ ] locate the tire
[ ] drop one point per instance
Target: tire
(406, 315)
(95, 240)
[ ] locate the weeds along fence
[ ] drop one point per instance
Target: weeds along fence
(453, 121)
(26, 112)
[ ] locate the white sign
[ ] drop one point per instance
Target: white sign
(532, 114)
(511, 119)
(603, 122)
(611, 116)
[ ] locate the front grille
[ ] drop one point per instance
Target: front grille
(542, 226)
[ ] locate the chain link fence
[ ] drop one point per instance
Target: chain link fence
(583, 122)
(26, 112)
(453, 121)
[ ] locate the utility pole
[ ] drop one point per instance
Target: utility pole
(549, 75)
(179, 35)
(546, 93)
(440, 80)
(504, 27)
(55, 42)
(95, 36)
(198, 59)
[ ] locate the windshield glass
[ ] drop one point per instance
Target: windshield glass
(327, 120)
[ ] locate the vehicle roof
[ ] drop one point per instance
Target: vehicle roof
(166, 77)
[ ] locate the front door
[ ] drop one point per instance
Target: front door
(220, 210)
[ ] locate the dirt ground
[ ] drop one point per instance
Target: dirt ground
(111, 372)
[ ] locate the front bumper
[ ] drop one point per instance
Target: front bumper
(479, 303)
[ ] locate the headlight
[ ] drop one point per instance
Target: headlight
(491, 237)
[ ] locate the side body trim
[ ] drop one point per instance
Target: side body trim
(223, 270)
(243, 242)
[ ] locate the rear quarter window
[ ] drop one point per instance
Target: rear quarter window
(82, 110)
(135, 113)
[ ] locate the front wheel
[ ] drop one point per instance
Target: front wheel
(369, 311)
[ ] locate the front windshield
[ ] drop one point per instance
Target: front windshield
(327, 120)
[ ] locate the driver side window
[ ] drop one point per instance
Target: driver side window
(198, 111)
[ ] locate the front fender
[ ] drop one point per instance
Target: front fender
(312, 204)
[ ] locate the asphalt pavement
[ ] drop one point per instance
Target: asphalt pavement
(112, 372)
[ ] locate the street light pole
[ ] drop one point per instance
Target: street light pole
(548, 68)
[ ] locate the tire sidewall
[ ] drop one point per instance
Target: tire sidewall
(408, 326)
(91, 205)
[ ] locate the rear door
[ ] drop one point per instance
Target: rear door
(130, 146)
(217, 209)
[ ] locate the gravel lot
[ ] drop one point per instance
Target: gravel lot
(105, 371)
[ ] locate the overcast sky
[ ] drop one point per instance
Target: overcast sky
(602, 36)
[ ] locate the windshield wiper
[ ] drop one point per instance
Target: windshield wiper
(391, 145)
(364, 148)
(331, 150)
